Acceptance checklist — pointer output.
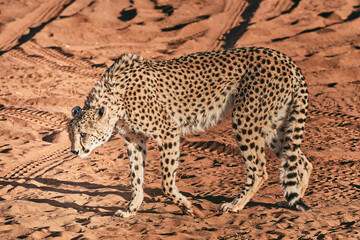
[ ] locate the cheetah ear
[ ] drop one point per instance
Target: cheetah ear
(75, 111)
(101, 112)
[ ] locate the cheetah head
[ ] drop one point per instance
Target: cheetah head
(89, 129)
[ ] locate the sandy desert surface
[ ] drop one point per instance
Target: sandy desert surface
(54, 51)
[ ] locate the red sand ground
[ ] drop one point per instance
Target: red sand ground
(54, 51)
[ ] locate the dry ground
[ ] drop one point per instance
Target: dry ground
(53, 52)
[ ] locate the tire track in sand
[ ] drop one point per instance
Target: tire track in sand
(37, 58)
(235, 9)
(42, 118)
(38, 165)
(22, 29)
(57, 54)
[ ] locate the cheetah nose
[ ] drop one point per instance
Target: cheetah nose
(75, 152)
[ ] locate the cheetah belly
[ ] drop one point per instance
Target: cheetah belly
(198, 121)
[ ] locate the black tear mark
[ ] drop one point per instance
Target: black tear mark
(127, 14)
(237, 32)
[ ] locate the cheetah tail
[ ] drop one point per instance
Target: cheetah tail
(295, 168)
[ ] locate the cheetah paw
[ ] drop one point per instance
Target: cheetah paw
(187, 211)
(228, 207)
(124, 214)
(193, 211)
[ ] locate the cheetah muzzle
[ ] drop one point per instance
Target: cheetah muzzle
(161, 100)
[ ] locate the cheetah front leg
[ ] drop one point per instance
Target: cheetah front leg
(169, 154)
(136, 147)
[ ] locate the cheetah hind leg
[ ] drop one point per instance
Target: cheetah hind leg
(256, 176)
(251, 144)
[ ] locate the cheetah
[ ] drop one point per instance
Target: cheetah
(163, 100)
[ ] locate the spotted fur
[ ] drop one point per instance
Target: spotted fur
(161, 100)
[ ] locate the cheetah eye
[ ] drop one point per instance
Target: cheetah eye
(82, 135)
